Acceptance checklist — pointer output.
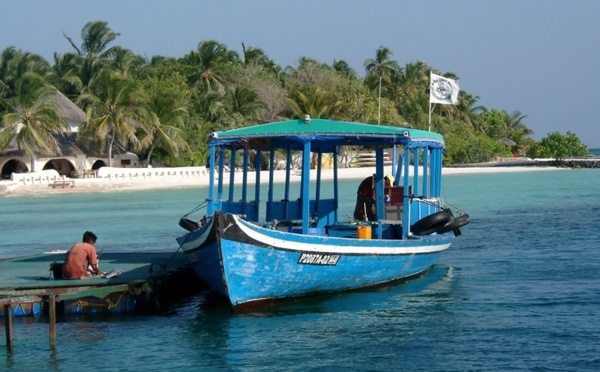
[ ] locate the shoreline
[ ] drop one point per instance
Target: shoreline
(98, 185)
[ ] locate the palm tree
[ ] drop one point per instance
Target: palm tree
(515, 129)
(414, 76)
(125, 61)
(344, 68)
(207, 64)
(468, 111)
(208, 106)
(514, 123)
(244, 101)
(382, 67)
(13, 65)
(414, 108)
(92, 54)
(256, 56)
(166, 129)
(115, 112)
(64, 76)
(316, 103)
(95, 35)
(33, 118)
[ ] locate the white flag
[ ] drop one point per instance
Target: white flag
(443, 90)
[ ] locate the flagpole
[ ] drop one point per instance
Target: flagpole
(379, 101)
(429, 114)
(429, 100)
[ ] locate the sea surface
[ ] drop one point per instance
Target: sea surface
(519, 290)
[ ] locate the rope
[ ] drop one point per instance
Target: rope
(163, 267)
(435, 202)
(197, 208)
(459, 211)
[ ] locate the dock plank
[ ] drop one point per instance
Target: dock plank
(32, 272)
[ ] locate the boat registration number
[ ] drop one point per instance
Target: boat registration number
(318, 259)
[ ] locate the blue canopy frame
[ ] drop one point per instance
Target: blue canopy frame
(319, 136)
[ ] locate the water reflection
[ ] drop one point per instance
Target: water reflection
(326, 328)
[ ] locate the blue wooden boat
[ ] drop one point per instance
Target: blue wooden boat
(254, 253)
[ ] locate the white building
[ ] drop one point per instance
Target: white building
(78, 158)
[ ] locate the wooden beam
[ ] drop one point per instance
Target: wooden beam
(52, 319)
(8, 324)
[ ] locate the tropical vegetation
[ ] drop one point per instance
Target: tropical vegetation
(163, 108)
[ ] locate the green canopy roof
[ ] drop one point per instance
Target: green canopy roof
(326, 133)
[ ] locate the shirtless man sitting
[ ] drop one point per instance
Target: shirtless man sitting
(80, 256)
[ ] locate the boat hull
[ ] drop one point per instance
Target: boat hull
(250, 265)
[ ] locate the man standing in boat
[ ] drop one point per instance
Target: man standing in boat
(80, 257)
(365, 198)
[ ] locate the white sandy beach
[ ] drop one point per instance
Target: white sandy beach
(10, 188)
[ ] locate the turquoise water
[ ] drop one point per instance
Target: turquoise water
(519, 290)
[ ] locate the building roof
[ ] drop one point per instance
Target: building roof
(70, 144)
(69, 110)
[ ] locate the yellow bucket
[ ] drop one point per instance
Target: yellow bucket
(363, 232)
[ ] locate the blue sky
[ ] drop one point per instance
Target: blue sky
(539, 57)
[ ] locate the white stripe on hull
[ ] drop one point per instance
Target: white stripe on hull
(340, 249)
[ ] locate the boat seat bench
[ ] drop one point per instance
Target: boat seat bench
(292, 210)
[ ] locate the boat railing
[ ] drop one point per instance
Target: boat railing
(323, 210)
(286, 215)
(247, 208)
(423, 206)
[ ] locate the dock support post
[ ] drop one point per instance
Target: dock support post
(52, 319)
(9, 327)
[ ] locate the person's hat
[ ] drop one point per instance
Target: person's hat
(391, 178)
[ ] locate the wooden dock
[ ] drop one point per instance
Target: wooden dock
(27, 287)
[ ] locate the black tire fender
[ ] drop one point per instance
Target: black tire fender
(188, 224)
(458, 222)
(432, 223)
